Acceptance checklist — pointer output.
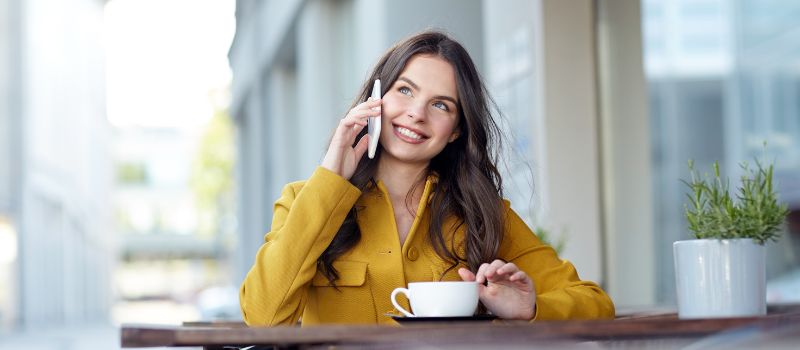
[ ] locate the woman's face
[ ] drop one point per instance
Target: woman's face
(419, 111)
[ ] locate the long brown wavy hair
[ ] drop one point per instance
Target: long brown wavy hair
(469, 187)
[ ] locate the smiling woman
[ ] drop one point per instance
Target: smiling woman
(428, 207)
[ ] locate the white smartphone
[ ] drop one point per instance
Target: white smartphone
(374, 123)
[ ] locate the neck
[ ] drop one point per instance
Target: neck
(399, 177)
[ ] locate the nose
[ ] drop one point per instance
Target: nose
(417, 112)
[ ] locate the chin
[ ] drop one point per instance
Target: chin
(407, 156)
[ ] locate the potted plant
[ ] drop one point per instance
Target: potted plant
(722, 272)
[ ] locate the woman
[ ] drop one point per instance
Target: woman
(428, 207)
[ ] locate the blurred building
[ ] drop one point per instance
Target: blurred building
(154, 205)
(172, 152)
(170, 250)
(54, 165)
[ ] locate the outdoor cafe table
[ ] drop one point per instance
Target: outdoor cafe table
(780, 327)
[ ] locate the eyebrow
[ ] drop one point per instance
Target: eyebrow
(416, 87)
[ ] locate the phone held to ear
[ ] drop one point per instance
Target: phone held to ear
(374, 123)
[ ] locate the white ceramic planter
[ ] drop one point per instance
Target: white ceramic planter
(720, 278)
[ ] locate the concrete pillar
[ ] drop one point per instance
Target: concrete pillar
(569, 108)
(317, 110)
(626, 152)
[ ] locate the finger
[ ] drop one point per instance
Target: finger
(370, 103)
(518, 276)
(346, 133)
(361, 147)
(492, 269)
(480, 276)
(522, 281)
(466, 275)
(354, 132)
(363, 113)
(508, 268)
(348, 123)
(482, 294)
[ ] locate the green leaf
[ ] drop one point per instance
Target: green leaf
(753, 212)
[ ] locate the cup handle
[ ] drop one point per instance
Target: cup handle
(396, 305)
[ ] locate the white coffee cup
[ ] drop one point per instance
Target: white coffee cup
(439, 299)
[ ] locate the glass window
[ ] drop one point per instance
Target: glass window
(723, 78)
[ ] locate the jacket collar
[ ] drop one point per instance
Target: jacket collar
(377, 187)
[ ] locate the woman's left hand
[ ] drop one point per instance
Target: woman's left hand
(509, 293)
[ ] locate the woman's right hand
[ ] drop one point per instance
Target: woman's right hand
(342, 157)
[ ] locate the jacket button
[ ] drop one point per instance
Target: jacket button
(413, 254)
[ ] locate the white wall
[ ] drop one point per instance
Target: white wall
(571, 164)
(627, 163)
(66, 249)
(253, 176)
(9, 106)
(9, 160)
(317, 74)
(282, 140)
(511, 34)
(460, 18)
(371, 35)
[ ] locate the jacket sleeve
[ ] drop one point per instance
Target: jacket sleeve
(305, 220)
(560, 293)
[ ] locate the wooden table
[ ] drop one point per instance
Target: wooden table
(781, 325)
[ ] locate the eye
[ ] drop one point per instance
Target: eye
(404, 90)
(441, 105)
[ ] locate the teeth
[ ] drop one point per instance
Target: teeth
(409, 133)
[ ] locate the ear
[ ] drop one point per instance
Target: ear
(456, 133)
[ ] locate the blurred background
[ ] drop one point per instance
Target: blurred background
(143, 142)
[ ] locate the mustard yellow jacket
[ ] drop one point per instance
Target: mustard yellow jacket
(284, 285)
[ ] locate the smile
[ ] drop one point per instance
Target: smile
(407, 135)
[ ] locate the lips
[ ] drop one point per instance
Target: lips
(409, 135)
